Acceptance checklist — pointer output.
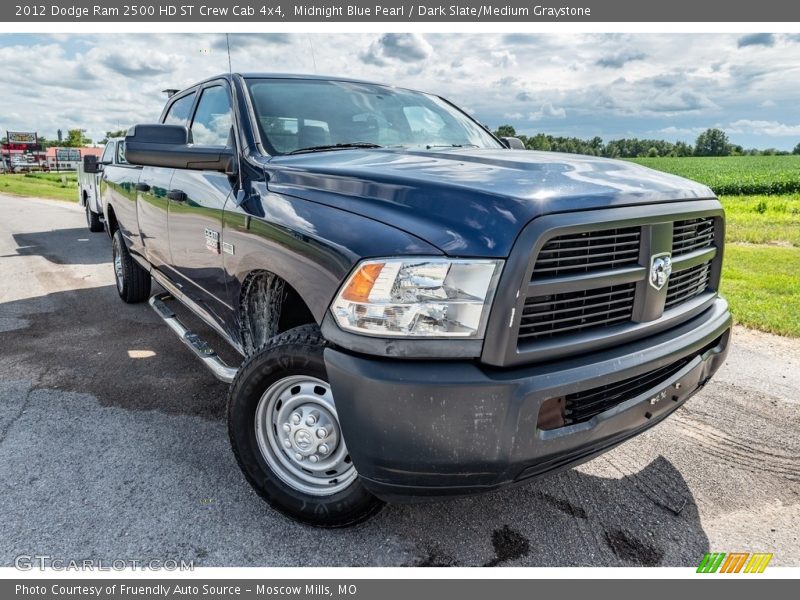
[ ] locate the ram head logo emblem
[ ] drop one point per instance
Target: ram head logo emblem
(660, 269)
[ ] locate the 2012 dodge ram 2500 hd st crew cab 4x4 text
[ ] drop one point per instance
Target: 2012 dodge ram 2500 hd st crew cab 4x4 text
(422, 309)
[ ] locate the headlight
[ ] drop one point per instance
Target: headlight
(418, 297)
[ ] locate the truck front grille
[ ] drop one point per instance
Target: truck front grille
(589, 251)
(590, 287)
(546, 316)
(582, 406)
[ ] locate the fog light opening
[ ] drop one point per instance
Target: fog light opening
(552, 413)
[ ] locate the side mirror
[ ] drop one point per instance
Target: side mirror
(513, 143)
(90, 164)
(170, 146)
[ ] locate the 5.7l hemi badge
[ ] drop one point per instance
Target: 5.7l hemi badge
(212, 240)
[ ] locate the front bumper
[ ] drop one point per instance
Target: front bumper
(417, 429)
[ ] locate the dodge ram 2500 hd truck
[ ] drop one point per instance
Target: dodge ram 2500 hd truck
(422, 310)
(89, 172)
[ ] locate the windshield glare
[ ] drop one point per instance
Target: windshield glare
(303, 113)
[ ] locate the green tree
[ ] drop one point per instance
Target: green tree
(76, 139)
(712, 142)
(506, 131)
(796, 149)
(113, 134)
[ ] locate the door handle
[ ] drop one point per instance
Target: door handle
(176, 196)
(142, 187)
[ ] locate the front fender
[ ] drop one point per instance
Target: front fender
(312, 246)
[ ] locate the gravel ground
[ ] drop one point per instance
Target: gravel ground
(113, 445)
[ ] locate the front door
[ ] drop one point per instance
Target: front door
(196, 202)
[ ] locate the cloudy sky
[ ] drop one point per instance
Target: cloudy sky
(668, 86)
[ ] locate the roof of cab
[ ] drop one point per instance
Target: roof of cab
(251, 75)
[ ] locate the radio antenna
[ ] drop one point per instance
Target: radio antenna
(228, 44)
(313, 58)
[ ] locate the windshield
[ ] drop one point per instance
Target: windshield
(296, 115)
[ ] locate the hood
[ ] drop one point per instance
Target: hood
(470, 202)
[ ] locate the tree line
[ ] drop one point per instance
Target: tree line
(712, 142)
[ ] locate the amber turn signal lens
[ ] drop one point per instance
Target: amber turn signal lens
(361, 284)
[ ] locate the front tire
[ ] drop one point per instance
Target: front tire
(285, 434)
(133, 282)
(93, 220)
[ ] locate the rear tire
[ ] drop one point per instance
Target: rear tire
(93, 220)
(281, 397)
(133, 282)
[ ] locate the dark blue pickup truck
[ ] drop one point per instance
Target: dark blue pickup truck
(422, 308)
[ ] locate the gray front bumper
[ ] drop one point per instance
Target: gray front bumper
(428, 428)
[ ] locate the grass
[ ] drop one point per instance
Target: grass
(728, 175)
(762, 285)
(773, 220)
(57, 186)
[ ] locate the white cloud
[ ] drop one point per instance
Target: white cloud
(547, 111)
(771, 128)
(611, 85)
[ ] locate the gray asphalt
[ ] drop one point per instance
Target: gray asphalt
(113, 446)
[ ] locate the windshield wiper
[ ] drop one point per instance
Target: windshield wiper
(431, 146)
(343, 146)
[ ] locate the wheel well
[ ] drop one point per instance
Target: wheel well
(268, 305)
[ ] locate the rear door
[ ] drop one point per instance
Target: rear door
(152, 190)
(197, 199)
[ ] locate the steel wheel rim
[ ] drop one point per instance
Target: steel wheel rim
(118, 266)
(290, 445)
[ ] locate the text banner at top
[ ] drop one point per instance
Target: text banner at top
(242, 11)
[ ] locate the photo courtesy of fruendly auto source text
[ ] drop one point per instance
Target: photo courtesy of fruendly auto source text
(376, 300)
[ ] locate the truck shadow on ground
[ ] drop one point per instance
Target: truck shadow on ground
(88, 341)
(571, 518)
(77, 246)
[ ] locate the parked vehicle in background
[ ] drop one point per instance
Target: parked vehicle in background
(422, 309)
(89, 174)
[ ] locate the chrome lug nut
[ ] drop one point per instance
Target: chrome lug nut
(323, 449)
(287, 443)
(313, 458)
(298, 456)
(311, 420)
(287, 428)
(322, 432)
(296, 418)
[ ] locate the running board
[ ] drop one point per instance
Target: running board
(196, 344)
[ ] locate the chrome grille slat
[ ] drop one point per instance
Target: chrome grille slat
(687, 284)
(618, 307)
(589, 251)
(692, 234)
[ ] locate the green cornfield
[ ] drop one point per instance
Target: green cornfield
(735, 175)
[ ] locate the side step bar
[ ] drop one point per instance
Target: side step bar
(196, 344)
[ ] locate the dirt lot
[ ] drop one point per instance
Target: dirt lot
(113, 446)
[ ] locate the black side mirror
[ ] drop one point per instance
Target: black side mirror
(91, 165)
(513, 143)
(170, 146)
